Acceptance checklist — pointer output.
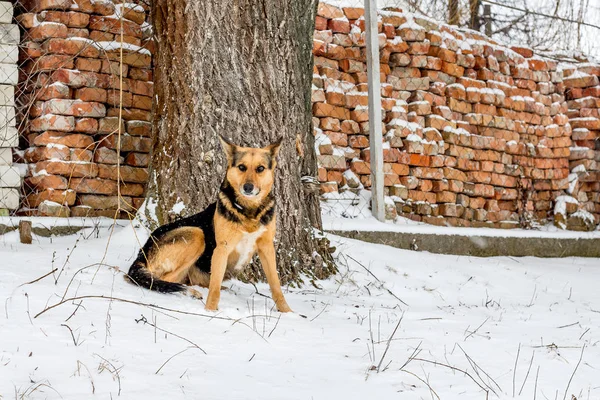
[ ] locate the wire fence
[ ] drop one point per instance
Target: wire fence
(79, 121)
(475, 133)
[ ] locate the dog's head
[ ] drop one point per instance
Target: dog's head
(251, 171)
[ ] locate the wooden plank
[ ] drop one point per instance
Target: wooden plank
(375, 132)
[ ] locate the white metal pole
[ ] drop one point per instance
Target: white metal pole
(375, 132)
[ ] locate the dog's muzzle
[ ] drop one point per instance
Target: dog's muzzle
(249, 190)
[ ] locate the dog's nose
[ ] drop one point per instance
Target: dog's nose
(248, 187)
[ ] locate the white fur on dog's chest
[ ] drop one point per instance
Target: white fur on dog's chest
(246, 247)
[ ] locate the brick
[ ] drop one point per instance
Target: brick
(110, 125)
(67, 169)
(74, 78)
(53, 91)
(338, 25)
(420, 107)
(104, 155)
(459, 106)
(127, 143)
(320, 23)
(31, 50)
(336, 98)
(328, 11)
(71, 19)
(113, 25)
(138, 159)
(60, 138)
(99, 36)
(400, 59)
(139, 128)
(328, 110)
(49, 63)
(427, 173)
(116, 98)
(76, 108)
(78, 32)
(105, 202)
(113, 68)
(53, 152)
(127, 173)
(42, 32)
(129, 114)
(91, 94)
(142, 87)
(43, 182)
(140, 74)
(581, 81)
(358, 141)
(133, 58)
(93, 186)
(51, 122)
(71, 47)
(58, 196)
(411, 35)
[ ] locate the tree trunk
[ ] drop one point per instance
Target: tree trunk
(242, 69)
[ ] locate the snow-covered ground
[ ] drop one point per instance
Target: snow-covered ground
(392, 324)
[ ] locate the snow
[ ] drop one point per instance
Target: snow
(560, 204)
(365, 222)
(115, 45)
(469, 313)
(178, 207)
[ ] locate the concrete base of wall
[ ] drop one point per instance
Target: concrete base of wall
(50, 226)
(480, 246)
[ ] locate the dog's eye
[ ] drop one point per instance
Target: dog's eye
(260, 169)
(242, 167)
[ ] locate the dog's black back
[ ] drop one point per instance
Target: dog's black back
(203, 220)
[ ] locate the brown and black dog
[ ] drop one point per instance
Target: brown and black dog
(201, 249)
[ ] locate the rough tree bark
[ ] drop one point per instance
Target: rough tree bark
(242, 69)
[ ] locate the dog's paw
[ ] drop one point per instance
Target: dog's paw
(194, 293)
(284, 308)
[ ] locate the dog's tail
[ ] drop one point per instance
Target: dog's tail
(139, 275)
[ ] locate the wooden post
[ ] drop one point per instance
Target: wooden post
(375, 135)
(25, 231)
(487, 15)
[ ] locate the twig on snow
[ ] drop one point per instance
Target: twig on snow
(527, 375)
(422, 380)
(145, 321)
(515, 369)
(170, 358)
(38, 279)
(574, 371)
(484, 388)
(376, 278)
(72, 335)
(389, 342)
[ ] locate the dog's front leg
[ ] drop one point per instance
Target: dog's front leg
(217, 272)
(266, 252)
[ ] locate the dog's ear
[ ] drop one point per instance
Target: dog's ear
(274, 147)
(228, 147)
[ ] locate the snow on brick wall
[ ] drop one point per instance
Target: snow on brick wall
(583, 98)
(477, 134)
(10, 179)
(69, 100)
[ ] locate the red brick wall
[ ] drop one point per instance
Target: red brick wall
(69, 100)
(583, 99)
(477, 134)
